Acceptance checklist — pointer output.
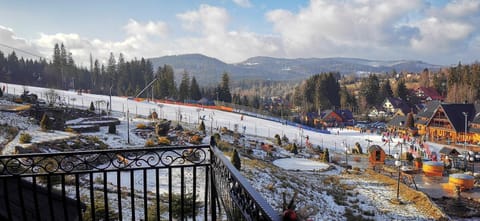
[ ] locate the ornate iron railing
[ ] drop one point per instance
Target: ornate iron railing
(158, 183)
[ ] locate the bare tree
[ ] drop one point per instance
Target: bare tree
(51, 96)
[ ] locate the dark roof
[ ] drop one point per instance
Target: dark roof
(396, 120)
(345, 114)
(431, 92)
(325, 113)
(400, 104)
(448, 151)
(373, 148)
(455, 114)
(424, 115)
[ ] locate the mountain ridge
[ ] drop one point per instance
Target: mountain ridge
(206, 68)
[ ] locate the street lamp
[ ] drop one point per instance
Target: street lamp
(465, 132)
(465, 140)
(346, 154)
(398, 163)
(472, 159)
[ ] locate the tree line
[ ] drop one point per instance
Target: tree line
(117, 77)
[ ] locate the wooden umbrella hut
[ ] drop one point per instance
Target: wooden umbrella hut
(376, 155)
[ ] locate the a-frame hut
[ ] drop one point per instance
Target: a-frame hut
(376, 155)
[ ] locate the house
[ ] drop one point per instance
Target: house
(393, 106)
(426, 94)
(446, 121)
(331, 118)
(336, 118)
(377, 111)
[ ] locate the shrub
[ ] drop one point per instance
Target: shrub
(285, 138)
(201, 127)
(326, 156)
(149, 143)
(278, 141)
(25, 138)
(99, 210)
(92, 107)
(45, 122)
(163, 141)
(196, 139)
(217, 137)
(176, 205)
(141, 126)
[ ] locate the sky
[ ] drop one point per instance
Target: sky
(438, 32)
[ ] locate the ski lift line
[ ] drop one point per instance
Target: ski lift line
(146, 87)
(24, 51)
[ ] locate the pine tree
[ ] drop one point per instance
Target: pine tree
(236, 160)
(223, 90)
(385, 91)
(195, 93)
(326, 156)
(401, 90)
(369, 89)
(92, 107)
(184, 88)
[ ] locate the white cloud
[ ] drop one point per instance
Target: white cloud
(330, 28)
(462, 8)
(150, 28)
(207, 19)
(440, 35)
(377, 29)
(243, 3)
(10, 39)
(216, 40)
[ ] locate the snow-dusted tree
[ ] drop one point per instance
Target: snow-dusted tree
(51, 96)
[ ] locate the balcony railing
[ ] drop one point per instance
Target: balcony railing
(159, 183)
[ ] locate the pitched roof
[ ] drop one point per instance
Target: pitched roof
(454, 113)
(448, 151)
(431, 92)
(400, 104)
(345, 114)
(396, 120)
(424, 115)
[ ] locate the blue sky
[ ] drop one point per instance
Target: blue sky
(439, 32)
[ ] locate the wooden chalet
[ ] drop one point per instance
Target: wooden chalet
(336, 118)
(440, 121)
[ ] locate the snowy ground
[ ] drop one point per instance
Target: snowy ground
(315, 191)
